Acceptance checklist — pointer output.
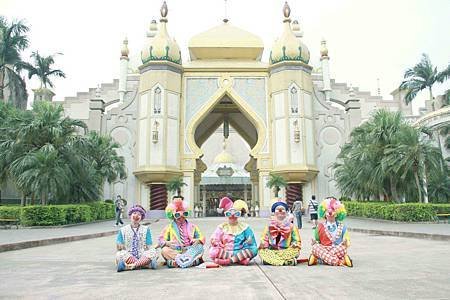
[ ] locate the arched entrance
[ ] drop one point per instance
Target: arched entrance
(227, 110)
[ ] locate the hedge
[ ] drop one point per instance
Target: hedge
(59, 214)
(409, 212)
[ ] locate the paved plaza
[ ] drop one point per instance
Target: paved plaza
(385, 267)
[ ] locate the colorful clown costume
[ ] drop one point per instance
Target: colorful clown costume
(186, 238)
(181, 241)
(233, 243)
(331, 238)
(280, 243)
(135, 248)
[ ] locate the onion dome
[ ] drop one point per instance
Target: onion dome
(288, 47)
(161, 47)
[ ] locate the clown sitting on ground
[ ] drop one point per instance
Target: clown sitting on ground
(134, 243)
(280, 242)
(181, 241)
(232, 241)
(331, 237)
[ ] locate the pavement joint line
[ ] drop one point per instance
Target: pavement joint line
(271, 282)
(406, 234)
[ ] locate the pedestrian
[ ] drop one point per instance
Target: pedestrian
(312, 207)
(119, 207)
(297, 209)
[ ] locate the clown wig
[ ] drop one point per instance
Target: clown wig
(177, 205)
(137, 208)
(333, 205)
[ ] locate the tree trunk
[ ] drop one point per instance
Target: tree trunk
(277, 189)
(431, 99)
(393, 189)
(2, 79)
(425, 186)
(22, 199)
(178, 192)
(416, 176)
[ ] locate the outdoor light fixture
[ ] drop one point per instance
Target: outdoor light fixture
(296, 132)
(155, 132)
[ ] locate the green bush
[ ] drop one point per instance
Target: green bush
(441, 208)
(10, 212)
(78, 213)
(43, 215)
(409, 212)
(60, 214)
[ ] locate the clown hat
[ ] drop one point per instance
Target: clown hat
(137, 208)
(177, 205)
(279, 203)
(241, 206)
(224, 205)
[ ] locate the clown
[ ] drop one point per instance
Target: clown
(232, 241)
(181, 241)
(134, 243)
(280, 242)
(331, 238)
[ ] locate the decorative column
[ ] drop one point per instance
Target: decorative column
(204, 201)
(293, 190)
(158, 197)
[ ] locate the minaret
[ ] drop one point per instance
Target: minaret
(159, 109)
(293, 133)
(123, 69)
(324, 59)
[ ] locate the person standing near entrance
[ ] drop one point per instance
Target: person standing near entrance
(312, 207)
(119, 207)
(297, 209)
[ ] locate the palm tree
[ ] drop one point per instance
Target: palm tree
(42, 68)
(413, 153)
(175, 185)
(102, 152)
(44, 172)
(276, 182)
(13, 40)
(422, 76)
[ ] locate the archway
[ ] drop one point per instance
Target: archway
(226, 116)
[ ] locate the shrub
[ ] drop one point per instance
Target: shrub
(62, 214)
(10, 212)
(410, 212)
(43, 215)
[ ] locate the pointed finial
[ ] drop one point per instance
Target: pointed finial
(224, 143)
(124, 50)
(286, 10)
(351, 92)
(225, 19)
(98, 92)
(378, 87)
(323, 48)
(164, 10)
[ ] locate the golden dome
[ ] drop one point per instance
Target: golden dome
(226, 42)
(162, 46)
(288, 47)
(224, 157)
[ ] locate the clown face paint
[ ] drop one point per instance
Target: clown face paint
(136, 217)
(280, 213)
(233, 216)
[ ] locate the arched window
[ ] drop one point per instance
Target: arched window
(157, 101)
(294, 101)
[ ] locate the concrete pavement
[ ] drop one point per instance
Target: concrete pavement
(386, 267)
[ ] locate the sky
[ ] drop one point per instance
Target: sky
(366, 39)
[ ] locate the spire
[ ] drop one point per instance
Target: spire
(124, 50)
(164, 10)
(225, 18)
(286, 12)
(323, 49)
(351, 92)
